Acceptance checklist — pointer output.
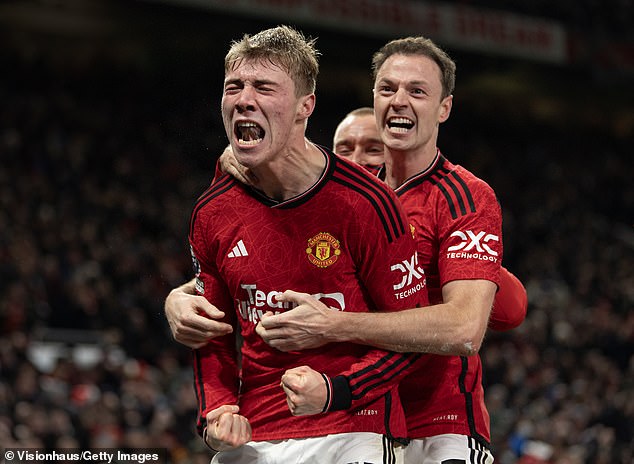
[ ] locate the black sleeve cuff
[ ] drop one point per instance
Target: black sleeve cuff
(341, 394)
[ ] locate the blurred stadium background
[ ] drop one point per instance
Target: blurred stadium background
(109, 129)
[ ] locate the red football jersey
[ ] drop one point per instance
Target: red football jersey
(346, 241)
(458, 225)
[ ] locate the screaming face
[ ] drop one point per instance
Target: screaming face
(260, 111)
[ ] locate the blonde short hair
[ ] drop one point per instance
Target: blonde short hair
(282, 46)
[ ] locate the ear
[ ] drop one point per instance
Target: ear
(445, 108)
(306, 106)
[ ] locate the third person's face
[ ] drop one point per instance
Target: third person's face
(357, 138)
(408, 102)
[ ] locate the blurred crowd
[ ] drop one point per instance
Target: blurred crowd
(98, 175)
(560, 388)
(594, 18)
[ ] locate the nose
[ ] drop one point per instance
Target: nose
(357, 154)
(246, 100)
(399, 98)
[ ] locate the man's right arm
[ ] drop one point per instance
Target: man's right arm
(192, 319)
(455, 327)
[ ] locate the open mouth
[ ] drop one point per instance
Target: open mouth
(248, 133)
(400, 124)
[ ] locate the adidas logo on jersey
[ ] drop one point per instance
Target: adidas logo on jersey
(238, 250)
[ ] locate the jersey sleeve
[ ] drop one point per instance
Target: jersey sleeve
(469, 222)
(394, 280)
(510, 304)
(386, 257)
(216, 372)
(377, 373)
(215, 376)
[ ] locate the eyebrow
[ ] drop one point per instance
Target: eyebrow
(255, 83)
(348, 140)
(391, 82)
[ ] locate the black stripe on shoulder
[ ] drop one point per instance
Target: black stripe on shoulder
(216, 189)
(449, 181)
(467, 191)
(451, 185)
(448, 197)
(383, 203)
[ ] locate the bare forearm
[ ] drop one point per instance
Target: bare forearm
(421, 330)
(456, 327)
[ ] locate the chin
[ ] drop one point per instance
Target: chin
(397, 144)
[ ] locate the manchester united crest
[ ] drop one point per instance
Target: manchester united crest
(323, 249)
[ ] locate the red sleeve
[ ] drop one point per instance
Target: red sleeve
(510, 304)
(389, 270)
(373, 376)
(470, 239)
(216, 373)
(215, 376)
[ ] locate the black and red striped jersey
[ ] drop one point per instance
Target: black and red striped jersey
(458, 226)
(347, 241)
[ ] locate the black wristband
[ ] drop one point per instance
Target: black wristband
(341, 394)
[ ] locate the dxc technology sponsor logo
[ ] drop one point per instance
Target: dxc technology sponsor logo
(474, 246)
(412, 277)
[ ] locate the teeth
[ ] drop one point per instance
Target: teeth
(401, 121)
(249, 133)
(400, 124)
(249, 142)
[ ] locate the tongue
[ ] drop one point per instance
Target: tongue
(250, 133)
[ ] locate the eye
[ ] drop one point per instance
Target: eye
(375, 149)
(385, 89)
(343, 150)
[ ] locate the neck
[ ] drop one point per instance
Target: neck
(401, 165)
(292, 173)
